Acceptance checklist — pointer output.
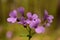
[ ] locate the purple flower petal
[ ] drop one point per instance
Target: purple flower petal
(28, 21)
(32, 25)
(45, 15)
(21, 10)
(29, 15)
(40, 29)
(51, 17)
(35, 16)
(36, 20)
(11, 19)
(13, 13)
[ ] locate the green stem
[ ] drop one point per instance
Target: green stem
(29, 33)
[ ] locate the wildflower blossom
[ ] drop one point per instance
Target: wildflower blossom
(12, 16)
(34, 23)
(33, 17)
(47, 17)
(33, 20)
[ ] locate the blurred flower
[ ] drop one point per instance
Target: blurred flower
(48, 18)
(33, 20)
(34, 23)
(13, 16)
(9, 34)
(21, 10)
(40, 29)
(33, 17)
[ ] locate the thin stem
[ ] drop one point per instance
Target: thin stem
(29, 33)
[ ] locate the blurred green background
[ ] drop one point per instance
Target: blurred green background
(34, 6)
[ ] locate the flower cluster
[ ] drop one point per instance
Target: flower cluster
(32, 19)
(48, 18)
